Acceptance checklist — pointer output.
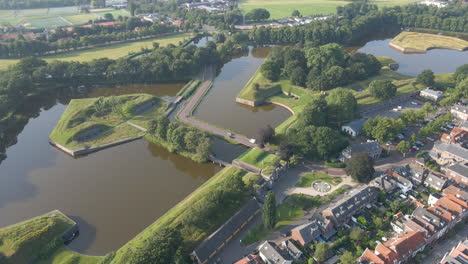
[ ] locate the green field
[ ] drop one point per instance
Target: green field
(112, 52)
(284, 8)
(308, 179)
(54, 17)
(25, 240)
(106, 117)
(259, 158)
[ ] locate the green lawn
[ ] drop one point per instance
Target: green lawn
(284, 8)
(81, 19)
(23, 241)
(308, 179)
(83, 115)
(259, 158)
(66, 256)
(112, 52)
(421, 42)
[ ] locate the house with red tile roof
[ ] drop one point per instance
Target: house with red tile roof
(458, 255)
(369, 256)
(457, 192)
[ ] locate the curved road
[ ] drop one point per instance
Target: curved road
(185, 115)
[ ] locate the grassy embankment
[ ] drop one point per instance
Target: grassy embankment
(114, 51)
(261, 159)
(421, 42)
(308, 179)
(284, 8)
(296, 97)
(106, 117)
(29, 239)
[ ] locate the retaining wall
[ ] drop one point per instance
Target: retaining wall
(84, 151)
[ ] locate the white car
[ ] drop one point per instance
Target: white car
(414, 103)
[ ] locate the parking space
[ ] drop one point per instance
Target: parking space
(396, 110)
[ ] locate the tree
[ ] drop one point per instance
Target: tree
(298, 77)
(285, 150)
(315, 113)
(271, 70)
(382, 89)
(461, 72)
(382, 128)
(204, 149)
(356, 234)
(266, 134)
(256, 86)
(342, 105)
(257, 14)
(269, 211)
(321, 251)
(403, 147)
(426, 78)
(360, 167)
(296, 13)
(160, 248)
(347, 258)
(109, 17)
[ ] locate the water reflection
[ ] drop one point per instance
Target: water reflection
(438, 60)
(113, 194)
(220, 108)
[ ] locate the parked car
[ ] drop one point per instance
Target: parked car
(414, 103)
(412, 150)
(415, 147)
(430, 139)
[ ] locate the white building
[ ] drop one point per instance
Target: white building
(431, 94)
(353, 128)
(460, 111)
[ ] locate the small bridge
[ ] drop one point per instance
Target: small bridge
(219, 161)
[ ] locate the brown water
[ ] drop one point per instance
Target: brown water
(438, 60)
(220, 108)
(112, 194)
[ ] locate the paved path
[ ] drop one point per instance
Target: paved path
(185, 115)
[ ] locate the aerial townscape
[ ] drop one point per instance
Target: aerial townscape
(233, 132)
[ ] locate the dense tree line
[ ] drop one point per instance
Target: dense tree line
(319, 68)
(82, 37)
(33, 76)
(181, 139)
(358, 20)
(314, 134)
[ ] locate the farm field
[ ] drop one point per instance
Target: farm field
(284, 8)
(112, 52)
(54, 17)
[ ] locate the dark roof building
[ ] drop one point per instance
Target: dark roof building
(341, 212)
(435, 181)
(385, 182)
(372, 148)
(216, 241)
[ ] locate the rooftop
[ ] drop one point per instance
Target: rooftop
(211, 244)
(460, 168)
(272, 253)
(432, 92)
(452, 149)
(356, 125)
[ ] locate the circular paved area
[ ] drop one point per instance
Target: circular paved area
(321, 186)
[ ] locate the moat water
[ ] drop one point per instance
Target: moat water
(115, 193)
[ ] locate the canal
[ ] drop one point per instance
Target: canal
(115, 193)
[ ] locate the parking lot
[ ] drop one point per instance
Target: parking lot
(391, 111)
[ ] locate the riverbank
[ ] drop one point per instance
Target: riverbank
(33, 239)
(415, 42)
(89, 125)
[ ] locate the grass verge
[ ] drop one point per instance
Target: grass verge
(421, 42)
(308, 179)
